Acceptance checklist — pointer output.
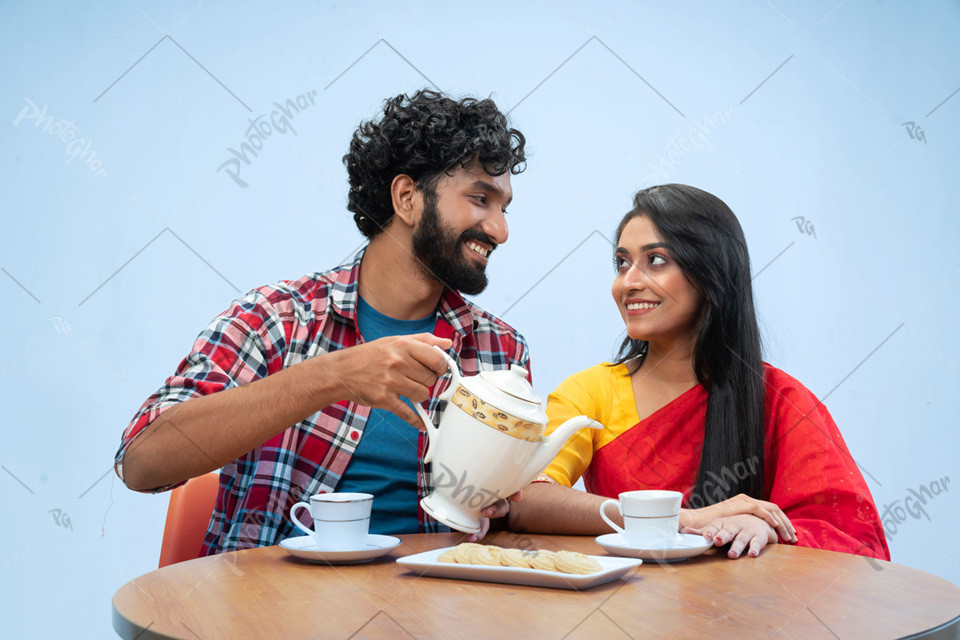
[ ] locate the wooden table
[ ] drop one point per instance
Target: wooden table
(788, 592)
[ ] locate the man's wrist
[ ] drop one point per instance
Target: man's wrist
(323, 380)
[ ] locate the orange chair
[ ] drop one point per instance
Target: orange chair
(188, 515)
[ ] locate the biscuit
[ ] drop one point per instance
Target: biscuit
(493, 556)
(543, 561)
(574, 562)
(463, 551)
(450, 555)
(515, 558)
(486, 555)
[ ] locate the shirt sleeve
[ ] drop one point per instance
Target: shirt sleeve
(812, 476)
(245, 343)
(569, 400)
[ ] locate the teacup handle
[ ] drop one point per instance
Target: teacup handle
(296, 520)
(603, 514)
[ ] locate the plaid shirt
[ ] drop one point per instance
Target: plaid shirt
(278, 326)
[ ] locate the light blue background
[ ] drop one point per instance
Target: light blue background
(108, 278)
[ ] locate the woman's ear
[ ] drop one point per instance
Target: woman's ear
(407, 199)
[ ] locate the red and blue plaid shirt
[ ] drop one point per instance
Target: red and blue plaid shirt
(278, 326)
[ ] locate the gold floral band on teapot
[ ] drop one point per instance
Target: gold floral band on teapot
(499, 420)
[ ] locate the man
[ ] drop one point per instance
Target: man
(302, 387)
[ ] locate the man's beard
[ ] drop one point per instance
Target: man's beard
(441, 254)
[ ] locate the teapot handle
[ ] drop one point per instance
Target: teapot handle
(455, 374)
(433, 431)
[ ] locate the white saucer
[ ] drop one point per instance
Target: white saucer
(305, 548)
(687, 545)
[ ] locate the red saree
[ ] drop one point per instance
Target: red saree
(808, 471)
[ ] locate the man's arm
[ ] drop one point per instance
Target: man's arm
(203, 434)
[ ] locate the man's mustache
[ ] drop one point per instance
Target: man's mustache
(479, 236)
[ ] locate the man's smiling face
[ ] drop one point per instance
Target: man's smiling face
(461, 224)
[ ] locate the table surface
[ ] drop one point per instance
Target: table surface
(788, 592)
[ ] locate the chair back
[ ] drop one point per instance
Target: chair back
(188, 517)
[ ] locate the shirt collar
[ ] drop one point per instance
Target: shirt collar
(344, 292)
(453, 308)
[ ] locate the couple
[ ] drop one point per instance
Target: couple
(306, 386)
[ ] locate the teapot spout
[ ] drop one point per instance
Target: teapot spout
(551, 445)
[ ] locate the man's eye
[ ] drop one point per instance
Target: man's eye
(480, 199)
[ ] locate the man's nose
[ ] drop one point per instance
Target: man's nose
(495, 226)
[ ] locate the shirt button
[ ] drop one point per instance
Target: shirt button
(354, 435)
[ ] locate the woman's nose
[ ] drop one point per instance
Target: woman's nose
(635, 279)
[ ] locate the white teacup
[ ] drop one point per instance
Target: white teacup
(651, 518)
(341, 521)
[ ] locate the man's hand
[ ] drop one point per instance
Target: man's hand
(378, 373)
(737, 505)
(741, 532)
(498, 509)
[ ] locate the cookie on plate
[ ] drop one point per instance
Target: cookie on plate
(574, 562)
(464, 550)
(450, 555)
(515, 558)
(543, 561)
(488, 555)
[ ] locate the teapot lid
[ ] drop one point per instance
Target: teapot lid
(516, 394)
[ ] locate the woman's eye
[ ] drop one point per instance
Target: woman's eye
(657, 260)
(619, 263)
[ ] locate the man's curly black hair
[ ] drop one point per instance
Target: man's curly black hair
(423, 136)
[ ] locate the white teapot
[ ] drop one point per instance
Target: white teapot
(489, 444)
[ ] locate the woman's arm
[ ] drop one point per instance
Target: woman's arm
(815, 479)
(555, 509)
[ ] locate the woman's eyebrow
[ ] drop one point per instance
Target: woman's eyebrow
(646, 247)
(654, 245)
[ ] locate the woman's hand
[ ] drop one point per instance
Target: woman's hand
(741, 504)
(741, 532)
(498, 509)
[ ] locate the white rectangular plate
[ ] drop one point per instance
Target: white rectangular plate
(426, 564)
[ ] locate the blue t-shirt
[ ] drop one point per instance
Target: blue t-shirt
(385, 462)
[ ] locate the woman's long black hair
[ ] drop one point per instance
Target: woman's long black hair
(707, 242)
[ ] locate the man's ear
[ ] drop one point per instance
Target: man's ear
(407, 199)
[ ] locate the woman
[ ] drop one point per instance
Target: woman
(690, 406)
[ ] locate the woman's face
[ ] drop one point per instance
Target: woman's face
(656, 301)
